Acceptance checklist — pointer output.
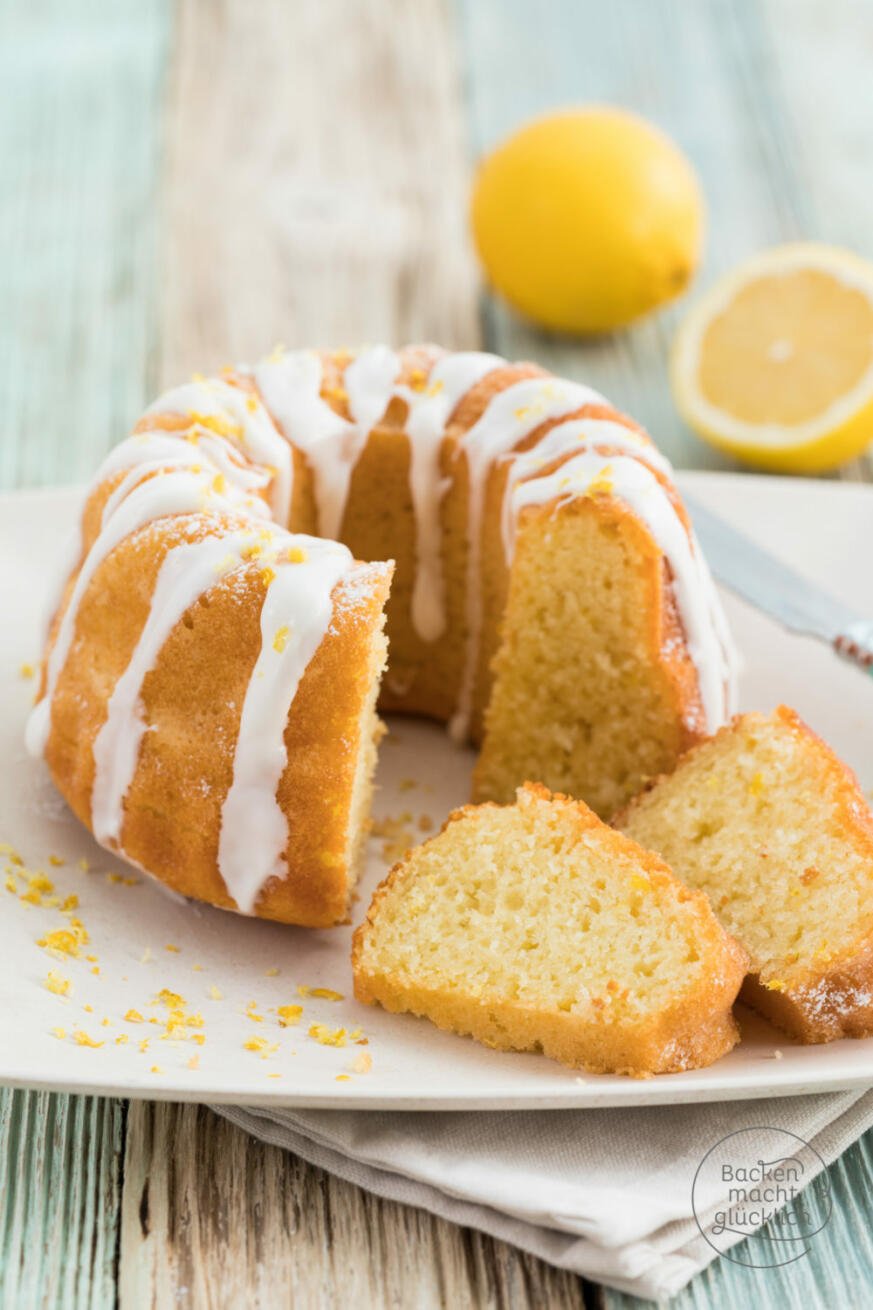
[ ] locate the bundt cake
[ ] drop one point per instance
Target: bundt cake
(207, 701)
(534, 926)
(767, 821)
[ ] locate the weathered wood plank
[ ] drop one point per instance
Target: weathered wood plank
(60, 1188)
(79, 140)
(317, 181)
(78, 143)
(213, 1217)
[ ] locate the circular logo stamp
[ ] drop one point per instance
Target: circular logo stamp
(761, 1178)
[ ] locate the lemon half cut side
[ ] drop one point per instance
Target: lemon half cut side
(775, 363)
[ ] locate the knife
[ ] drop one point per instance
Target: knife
(777, 590)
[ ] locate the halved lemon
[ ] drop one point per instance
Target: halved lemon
(775, 364)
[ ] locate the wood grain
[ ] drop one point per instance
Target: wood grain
(60, 1187)
(317, 181)
(79, 140)
(213, 1217)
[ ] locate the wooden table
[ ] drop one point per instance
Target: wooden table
(183, 184)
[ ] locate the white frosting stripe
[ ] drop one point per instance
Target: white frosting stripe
(290, 385)
(429, 411)
(696, 599)
(291, 388)
(247, 422)
(178, 491)
(574, 437)
(511, 415)
(187, 573)
(194, 446)
(296, 614)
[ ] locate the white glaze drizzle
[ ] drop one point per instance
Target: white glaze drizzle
(193, 446)
(187, 573)
(252, 427)
(429, 411)
(698, 604)
(254, 830)
(290, 385)
(576, 436)
(177, 491)
(510, 416)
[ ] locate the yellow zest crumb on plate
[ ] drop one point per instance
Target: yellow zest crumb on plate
(343, 1078)
(323, 993)
(166, 997)
(215, 994)
(194, 1062)
(261, 1045)
(133, 1016)
(289, 1015)
(55, 983)
(327, 1036)
(82, 1039)
(27, 670)
(60, 1033)
(156, 1068)
(272, 973)
(173, 949)
(64, 941)
(362, 1063)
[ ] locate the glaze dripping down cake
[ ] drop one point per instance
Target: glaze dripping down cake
(208, 699)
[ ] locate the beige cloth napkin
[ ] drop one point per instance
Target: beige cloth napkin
(603, 1193)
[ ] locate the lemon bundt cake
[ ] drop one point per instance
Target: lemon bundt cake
(767, 821)
(207, 697)
(534, 926)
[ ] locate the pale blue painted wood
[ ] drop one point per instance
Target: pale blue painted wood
(760, 95)
(79, 152)
(80, 133)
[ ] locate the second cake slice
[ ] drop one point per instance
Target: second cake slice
(535, 927)
(766, 820)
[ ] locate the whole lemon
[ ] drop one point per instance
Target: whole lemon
(587, 218)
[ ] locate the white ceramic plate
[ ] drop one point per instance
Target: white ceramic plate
(824, 529)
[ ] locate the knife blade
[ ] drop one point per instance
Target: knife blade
(778, 590)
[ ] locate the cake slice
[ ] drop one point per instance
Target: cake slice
(767, 821)
(535, 927)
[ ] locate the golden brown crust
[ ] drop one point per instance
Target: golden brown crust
(191, 701)
(694, 1031)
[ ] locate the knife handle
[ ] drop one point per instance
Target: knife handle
(856, 644)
